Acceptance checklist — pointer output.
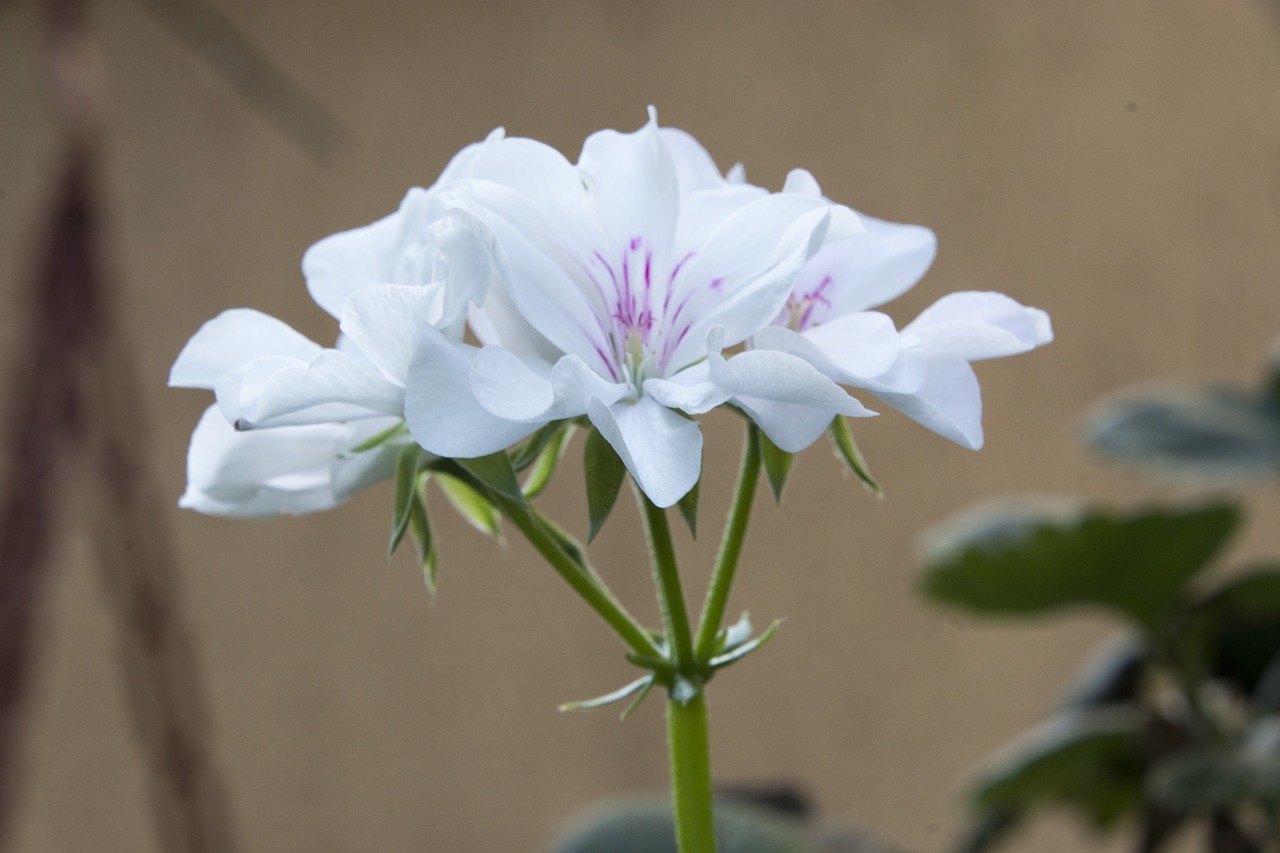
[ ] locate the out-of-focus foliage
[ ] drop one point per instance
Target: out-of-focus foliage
(1174, 724)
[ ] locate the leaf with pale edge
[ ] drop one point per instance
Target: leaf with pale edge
(1219, 435)
(545, 463)
(604, 473)
(1018, 560)
(471, 505)
(1089, 758)
(777, 464)
(847, 449)
(1221, 776)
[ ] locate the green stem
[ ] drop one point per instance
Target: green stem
(675, 616)
(583, 581)
(735, 532)
(690, 753)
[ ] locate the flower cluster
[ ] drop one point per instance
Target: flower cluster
(636, 289)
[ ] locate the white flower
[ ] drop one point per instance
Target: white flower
(294, 470)
(617, 284)
(923, 370)
(294, 410)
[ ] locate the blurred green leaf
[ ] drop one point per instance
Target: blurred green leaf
(605, 473)
(471, 505)
(1199, 434)
(644, 825)
(1238, 626)
(1088, 758)
(847, 449)
(1019, 560)
(777, 464)
(1112, 675)
(1221, 776)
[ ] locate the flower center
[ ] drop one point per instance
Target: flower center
(797, 315)
(641, 320)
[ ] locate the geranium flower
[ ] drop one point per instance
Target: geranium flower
(923, 370)
(292, 410)
(618, 282)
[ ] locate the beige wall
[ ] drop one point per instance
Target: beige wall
(1112, 162)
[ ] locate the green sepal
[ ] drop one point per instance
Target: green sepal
(661, 666)
(420, 528)
(545, 463)
(495, 472)
(639, 700)
(618, 695)
(526, 454)
(1023, 560)
(471, 505)
(604, 473)
(777, 464)
(407, 469)
(387, 436)
(688, 506)
(847, 449)
(728, 639)
(737, 653)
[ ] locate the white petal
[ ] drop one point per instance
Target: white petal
(632, 180)
(441, 409)
(512, 388)
(692, 390)
(753, 259)
(949, 402)
(790, 426)
(462, 163)
(272, 471)
(385, 321)
(334, 386)
(232, 339)
(867, 269)
(974, 326)
(662, 450)
(863, 345)
(803, 182)
(695, 168)
(541, 270)
(340, 263)
(787, 379)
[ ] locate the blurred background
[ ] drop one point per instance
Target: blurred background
(1115, 163)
